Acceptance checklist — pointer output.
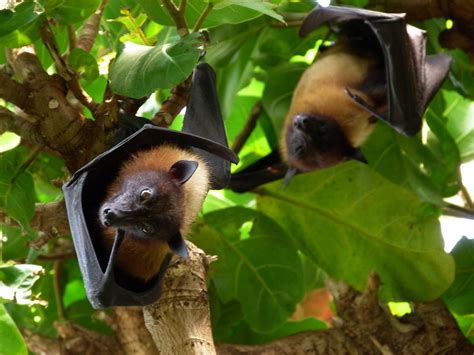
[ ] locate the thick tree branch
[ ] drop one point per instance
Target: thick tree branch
(22, 125)
(180, 321)
(12, 91)
(131, 333)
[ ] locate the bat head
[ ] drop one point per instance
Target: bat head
(149, 204)
(315, 142)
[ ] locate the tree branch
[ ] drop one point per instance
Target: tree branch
(91, 28)
(179, 321)
(12, 91)
(177, 16)
(173, 104)
(248, 128)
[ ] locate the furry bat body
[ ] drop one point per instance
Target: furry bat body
(154, 200)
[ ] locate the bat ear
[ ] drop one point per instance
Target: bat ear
(356, 154)
(182, 170)
(178, 246)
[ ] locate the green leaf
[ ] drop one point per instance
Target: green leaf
(257, 5)
(460, 115)
(71, 11)
(84, 63)
(194, 8)
(350, 221)
(11, 341)
(461, 293)
(16, 194)
(22, 15)
(262, 270)
(140, 70)
(16, 282)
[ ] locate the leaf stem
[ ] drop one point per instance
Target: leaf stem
(58, 264)
(203, 16)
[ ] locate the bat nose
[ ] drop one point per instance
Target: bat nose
(300, 121)
(109, 216)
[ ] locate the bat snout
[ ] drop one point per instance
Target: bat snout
(300, 121)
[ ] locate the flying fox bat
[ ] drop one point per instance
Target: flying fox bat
(377, 70)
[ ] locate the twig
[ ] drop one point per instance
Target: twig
(63, 69)
(182, 7)
(203, 16)
(248, 128)
(465, 194)
(178, 18)
(136, 27)
(296, 23)
(28, 161)
(457, 211)
(71, 34)
(58, 264)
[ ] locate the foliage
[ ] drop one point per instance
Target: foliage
(273, 246)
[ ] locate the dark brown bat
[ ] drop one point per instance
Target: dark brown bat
(154, 200)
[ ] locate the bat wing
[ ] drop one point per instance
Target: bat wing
(265, 170)
(412, 78)
(203, 118)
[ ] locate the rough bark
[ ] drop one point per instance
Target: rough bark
(180, 321)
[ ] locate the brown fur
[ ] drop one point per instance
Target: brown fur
(321, 91)
(143, 258)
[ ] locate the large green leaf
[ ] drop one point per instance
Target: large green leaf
(258, 265)
(71, 11)
(11, 341)
(460, 295)
(350, 221)
(22, 15)
(460, 114)
(194, 8)
(140, 70)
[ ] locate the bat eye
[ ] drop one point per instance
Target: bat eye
(145, 194)
(146, 228)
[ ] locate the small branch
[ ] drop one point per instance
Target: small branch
(296, 23)
(182, 7)
(457, 211)
(248, 128)
(58, 264)
(465, 194)
(90, 29)
(71, 34)
(48, 39)
(28, 161)
(174, 104)
(177, 17)
(203, 16)
(63, 68)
